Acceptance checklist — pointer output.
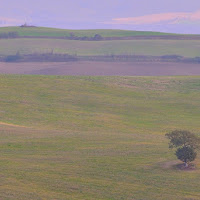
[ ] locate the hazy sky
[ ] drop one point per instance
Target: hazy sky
(160, 15)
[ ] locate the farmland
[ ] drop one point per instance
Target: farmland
(187, 48)
(60, 140)
(98, 133)
(39, 40)
(97, 68)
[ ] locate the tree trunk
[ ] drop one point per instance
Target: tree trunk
(186, 164)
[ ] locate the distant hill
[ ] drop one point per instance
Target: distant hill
(53, 32)
(39, 40)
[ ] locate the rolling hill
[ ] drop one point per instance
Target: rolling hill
(47, 40)
(52, 32)
(84, 137)
(60, 140)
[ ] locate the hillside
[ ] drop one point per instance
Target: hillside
(53, 32)
(60, 140)
(38, 40)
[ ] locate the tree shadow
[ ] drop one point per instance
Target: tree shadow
(181, 166)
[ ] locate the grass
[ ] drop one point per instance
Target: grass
(53, 32)
(185, 48)
(95, 137)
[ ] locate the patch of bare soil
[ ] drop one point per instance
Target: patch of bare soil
(170, 164)
(191, 167)
(93, 68)
(12, 125)
(175, 164)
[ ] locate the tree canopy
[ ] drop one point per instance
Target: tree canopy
(183, 138)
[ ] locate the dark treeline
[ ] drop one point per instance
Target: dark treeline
(27, 26)
(52, 57)
(155, 37)
(46, 57)
(96, 37)
(9, 35)
(141, 58)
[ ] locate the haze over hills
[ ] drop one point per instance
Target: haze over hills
(28, 40)
(39, 44)
(170, 16)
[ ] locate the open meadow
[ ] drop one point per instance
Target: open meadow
(95, 137)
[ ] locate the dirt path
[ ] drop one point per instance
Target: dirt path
(87, 68)
(11, 125)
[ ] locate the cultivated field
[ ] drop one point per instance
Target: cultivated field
(95, 137)
(91, 68)
(187, 48)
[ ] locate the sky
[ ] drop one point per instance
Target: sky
(178, 16)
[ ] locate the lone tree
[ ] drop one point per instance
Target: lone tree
(186, 143)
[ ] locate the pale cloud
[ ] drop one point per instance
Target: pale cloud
(10, 21)
(171, 18)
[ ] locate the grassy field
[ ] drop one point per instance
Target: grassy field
(52, 32)
(186, 48)
(95, 137)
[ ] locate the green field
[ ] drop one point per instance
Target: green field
(187, 48)
(52, 32)
(95, 137)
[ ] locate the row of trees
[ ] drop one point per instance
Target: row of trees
(96, 37)
(143, 58)
(9, 35)
(26, 25)
(107, 58)
(45, 57)
(72, 36)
